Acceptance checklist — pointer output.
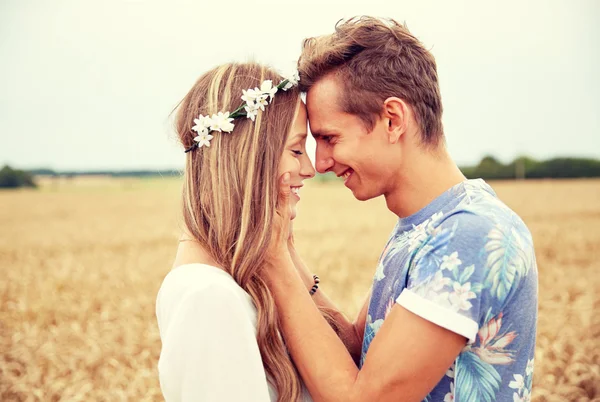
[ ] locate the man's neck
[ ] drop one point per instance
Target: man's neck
(425, 177)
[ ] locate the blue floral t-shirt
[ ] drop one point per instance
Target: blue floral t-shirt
(466, 263)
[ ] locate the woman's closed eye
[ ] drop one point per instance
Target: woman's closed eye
(297, 152)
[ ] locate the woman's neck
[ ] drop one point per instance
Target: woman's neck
(190, 251)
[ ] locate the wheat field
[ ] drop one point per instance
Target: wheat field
(81, 262)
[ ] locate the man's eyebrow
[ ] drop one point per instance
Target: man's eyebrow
(322, 132)
(299, 136)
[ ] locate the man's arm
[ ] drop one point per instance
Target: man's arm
(351, 333)
(406, 359)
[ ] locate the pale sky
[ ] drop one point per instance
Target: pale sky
(90, 84)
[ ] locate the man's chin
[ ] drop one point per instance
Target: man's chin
(362, 195)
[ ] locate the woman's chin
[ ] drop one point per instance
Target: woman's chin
(293, 212)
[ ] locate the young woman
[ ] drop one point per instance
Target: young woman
(242, 127)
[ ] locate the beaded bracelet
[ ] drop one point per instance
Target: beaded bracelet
(314, 288)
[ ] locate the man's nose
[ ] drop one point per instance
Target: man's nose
(323, 160)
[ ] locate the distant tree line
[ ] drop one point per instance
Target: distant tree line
(488, 168)
(111, 173)
(528, 168)
(12, 178)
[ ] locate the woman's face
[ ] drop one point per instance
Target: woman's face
(294, 159)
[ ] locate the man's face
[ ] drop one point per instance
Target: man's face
(344, 144)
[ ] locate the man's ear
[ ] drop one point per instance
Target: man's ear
(396, 112)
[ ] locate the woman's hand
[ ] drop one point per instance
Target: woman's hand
(278, 255)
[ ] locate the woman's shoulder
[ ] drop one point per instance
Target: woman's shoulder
(196, 276)
(194, 283)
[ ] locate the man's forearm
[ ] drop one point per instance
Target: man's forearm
(321, 357)
(348, 331)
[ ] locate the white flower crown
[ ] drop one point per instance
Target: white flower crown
(254, 100)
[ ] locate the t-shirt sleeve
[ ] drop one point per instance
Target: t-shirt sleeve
(209, 350)
(449, 272)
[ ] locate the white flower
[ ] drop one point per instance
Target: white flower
(450, 372)
(379, 274)
(529, 369)
(202, 124)
(451, 261)
(525, 398)
(251, 111)
(421, 232)
(267, 88)
(222, 122)
(250, 95)
(203, 139)
(461, 296)
(261, 102)
(450, 395)
(416, 237)
(518, 383)
(432, 290)
(376, 325)
(434, 220)
(292, 80)
(441, 299)
(439, 281)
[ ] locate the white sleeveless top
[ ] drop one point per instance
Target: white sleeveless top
(207, 325)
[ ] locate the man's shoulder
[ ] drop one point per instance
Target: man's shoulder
(481, 212)
(481, 229)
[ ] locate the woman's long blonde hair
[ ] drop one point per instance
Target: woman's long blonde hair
(230, 194)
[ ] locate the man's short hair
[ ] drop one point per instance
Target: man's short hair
(374, 59)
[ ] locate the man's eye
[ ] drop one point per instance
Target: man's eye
(326, 138)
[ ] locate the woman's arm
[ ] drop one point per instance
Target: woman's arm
(209, 350)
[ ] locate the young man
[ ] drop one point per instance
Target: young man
(453, 309)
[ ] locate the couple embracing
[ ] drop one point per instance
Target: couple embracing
(452, 310)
